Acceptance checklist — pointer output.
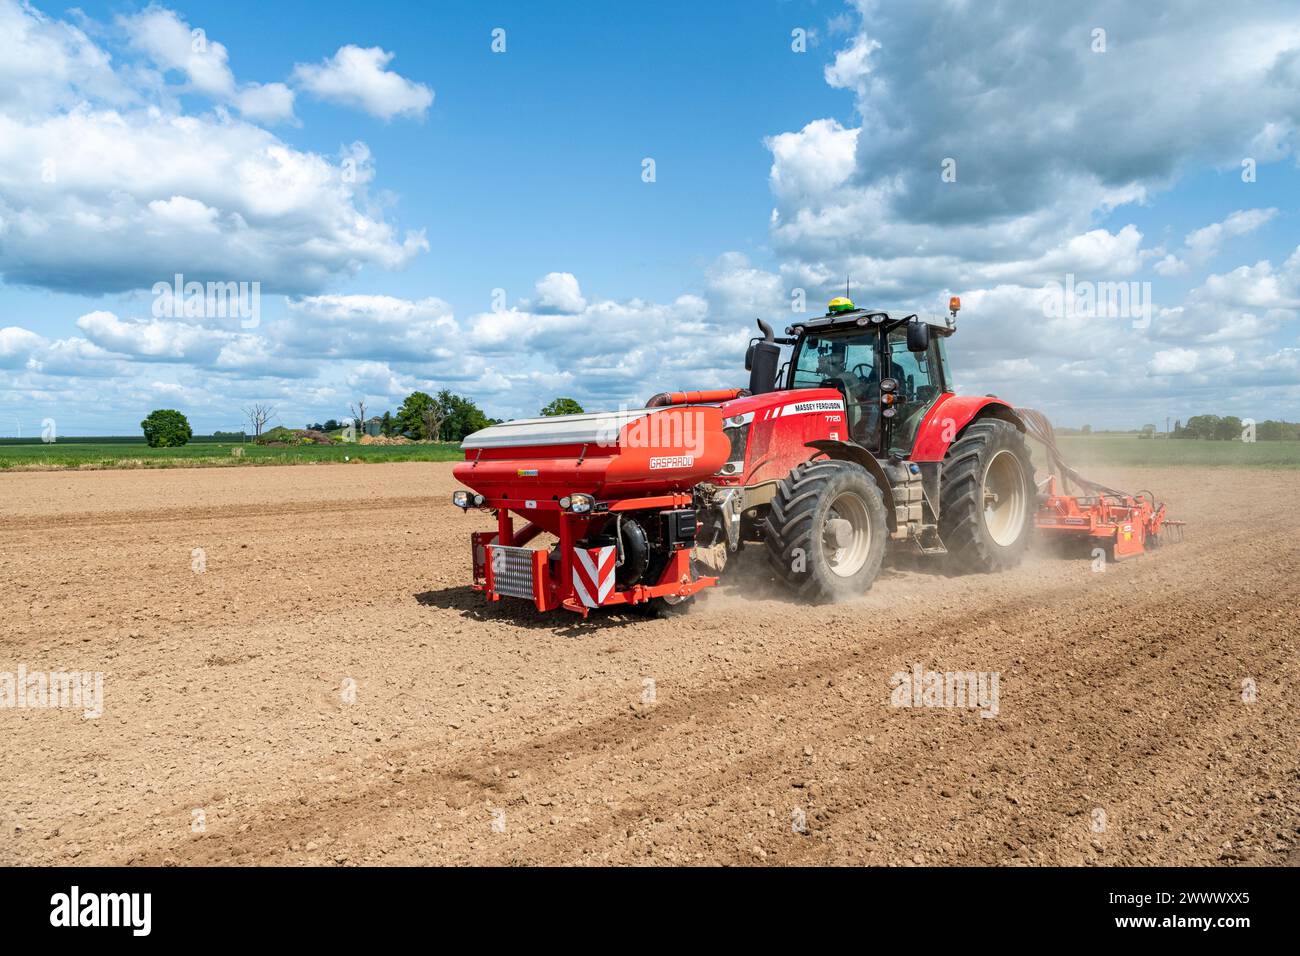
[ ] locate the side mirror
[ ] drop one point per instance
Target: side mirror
(918, 336)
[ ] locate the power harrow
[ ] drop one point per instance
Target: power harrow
(1121, 524)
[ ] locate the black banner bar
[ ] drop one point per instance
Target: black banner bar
(333, 905)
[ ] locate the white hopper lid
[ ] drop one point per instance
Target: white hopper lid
(594, 428)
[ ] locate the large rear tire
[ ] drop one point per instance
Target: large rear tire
(986, 498)
(826, 530)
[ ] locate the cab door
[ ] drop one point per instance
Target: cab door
(920, 383)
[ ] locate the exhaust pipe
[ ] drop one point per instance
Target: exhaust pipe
(763, 360)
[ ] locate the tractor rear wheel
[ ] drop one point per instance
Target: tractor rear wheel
(826, 530)
(986, 498)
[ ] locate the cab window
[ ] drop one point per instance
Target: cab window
(830, 357)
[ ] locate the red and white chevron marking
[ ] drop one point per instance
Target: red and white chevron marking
(593, 574)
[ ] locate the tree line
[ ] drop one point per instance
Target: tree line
(1232, 428)
(445, 416)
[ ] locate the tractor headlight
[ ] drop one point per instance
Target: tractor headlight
(460, 499)
(579, 504)
(736, 429)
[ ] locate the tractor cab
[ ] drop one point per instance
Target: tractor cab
(890, 370)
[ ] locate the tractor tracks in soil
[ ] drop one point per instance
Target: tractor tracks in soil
(503, 736)
(1042, 813)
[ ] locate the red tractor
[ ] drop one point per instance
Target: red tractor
(857, 442)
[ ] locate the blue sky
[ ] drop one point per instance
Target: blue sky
(132, 154)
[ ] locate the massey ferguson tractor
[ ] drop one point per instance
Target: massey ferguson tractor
(856, 444)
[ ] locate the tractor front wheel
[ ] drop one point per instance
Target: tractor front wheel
(826, 530)
(986, 498)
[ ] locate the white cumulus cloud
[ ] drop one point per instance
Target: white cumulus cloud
(105, 191)
(559, 293)
(173, 45)
(356, 77)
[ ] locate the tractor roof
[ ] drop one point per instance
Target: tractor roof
(853, 317)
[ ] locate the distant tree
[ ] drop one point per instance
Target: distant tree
(359, 416)
(1228, 428)
(431, 417)
(166, 428)
(258, 415)
(386, 425)
(445, 417)
(463, 416)
(1202, 426)
(331, 426)
(418, 413)
(1086, 430)
(1277, 431)
(1148, 431)
(561, 406)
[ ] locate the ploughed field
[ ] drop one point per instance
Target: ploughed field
(318, 685)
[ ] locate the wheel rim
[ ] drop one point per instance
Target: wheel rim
(847, 549)
(1004, 498)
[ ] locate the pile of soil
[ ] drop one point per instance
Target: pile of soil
(281, 436)
(384, 440)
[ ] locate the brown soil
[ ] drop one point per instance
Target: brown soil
(497, 735)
